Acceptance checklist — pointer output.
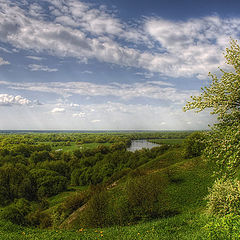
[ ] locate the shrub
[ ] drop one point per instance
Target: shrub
(48, 182)
(74, 201)
(224, 197)
(40, 219)
(17, 212)
(145, 195)
(119, 174)
(120, 211)
(227, 227)
(96, 213)
(194, 145)
(75, 176)
(51, 185)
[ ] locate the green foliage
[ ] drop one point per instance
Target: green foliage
(48, 182)
(223, 148)
(186, 227)
(96, 213)
(59, 166)
(68, 206)
(16, 182)
(224, 228)
(40, 156)
(39, 219)
(145, 196)
(194, 144)
(142, 198)
(75, 201)
(223, 97)
(177, 142)
(44, 172)
(224, 197)
(17, 212)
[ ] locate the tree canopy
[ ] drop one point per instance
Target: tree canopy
(222, 96)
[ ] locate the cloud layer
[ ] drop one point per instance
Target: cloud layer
(37, 67)
(59, 54)
(151, 89)
(83, 31)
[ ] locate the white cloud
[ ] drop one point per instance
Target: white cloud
(58, 110)
(5, 50)
(10, 100)
(87, 72)
(3, 62)
(110, 115)
(145, 74)
(192, 47)
(37, 67)
(74, 105)
(35, 58)
(186, 49)
(153, 89)
(79, 115)
(96, 121)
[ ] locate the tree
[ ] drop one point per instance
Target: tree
(194, 144)
(223, 98)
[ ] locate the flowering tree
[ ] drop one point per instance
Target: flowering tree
(222, 96)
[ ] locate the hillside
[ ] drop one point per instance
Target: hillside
(176, 210)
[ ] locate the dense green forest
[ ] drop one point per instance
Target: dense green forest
(89, 186)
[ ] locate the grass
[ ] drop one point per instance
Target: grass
(167, 141)
(189, 180)
(59, 198)
(187, 226)
(168, 158)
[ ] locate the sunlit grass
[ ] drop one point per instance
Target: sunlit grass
(167, 141)
(187, 226)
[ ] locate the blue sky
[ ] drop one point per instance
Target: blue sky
(109, 64)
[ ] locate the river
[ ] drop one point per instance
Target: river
(140, 144)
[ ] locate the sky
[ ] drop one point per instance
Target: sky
(110, 64)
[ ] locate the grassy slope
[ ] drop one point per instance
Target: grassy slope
(167, 141)
(189, 182)
(187, 226)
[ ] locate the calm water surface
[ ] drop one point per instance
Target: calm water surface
(140, 144)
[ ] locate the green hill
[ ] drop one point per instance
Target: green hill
(178, 209)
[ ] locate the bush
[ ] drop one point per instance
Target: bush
(194, 145)
(48, 182)
(145, 196)
(226, 228)
(96, 213)
(117, 175)
(40, 219)
(73, 202)
(17, 212)
(224, 197)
